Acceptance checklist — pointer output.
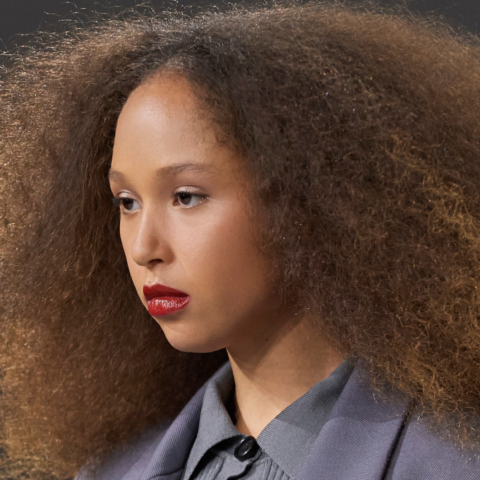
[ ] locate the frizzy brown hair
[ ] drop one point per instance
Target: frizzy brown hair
(360, 130)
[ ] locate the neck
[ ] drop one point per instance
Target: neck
(277, 368)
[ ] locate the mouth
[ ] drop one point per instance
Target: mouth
(163, 300)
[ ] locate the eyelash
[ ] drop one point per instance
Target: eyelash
(191, 194)
(119, 201)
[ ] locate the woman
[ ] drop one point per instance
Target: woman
(295, 203)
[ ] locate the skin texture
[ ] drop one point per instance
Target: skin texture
(204, 244)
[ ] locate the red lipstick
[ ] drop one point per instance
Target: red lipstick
(163, 300)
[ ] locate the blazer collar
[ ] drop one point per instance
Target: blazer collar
(170, 456)
(356, 441)
(359, 436)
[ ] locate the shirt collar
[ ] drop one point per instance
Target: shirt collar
(215, 423)
(287, 438)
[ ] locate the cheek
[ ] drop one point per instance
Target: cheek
(224, 266)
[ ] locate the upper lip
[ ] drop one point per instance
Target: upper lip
(159, 290)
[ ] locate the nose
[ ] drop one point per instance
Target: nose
(150, 245)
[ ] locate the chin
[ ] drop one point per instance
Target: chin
(192, 343)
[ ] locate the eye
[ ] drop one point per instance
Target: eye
(125, 204)
(184, 197)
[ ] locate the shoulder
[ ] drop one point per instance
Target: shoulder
(420, 454)
(131, 459)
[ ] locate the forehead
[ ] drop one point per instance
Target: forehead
(162, 123)
(162, 104)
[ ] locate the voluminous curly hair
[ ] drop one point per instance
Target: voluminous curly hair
(360, 130)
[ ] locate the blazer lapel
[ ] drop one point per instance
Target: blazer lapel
(172, 452)
(359, 436)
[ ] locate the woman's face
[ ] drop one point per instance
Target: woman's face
(185, 222)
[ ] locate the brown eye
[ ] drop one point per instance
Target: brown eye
(185, 198)
(125, 203)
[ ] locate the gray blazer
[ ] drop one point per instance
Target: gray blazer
(364, 438)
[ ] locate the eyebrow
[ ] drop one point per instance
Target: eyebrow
(168, 170)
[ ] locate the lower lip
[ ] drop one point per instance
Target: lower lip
(159, 306)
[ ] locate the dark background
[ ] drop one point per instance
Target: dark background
(19, 17)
